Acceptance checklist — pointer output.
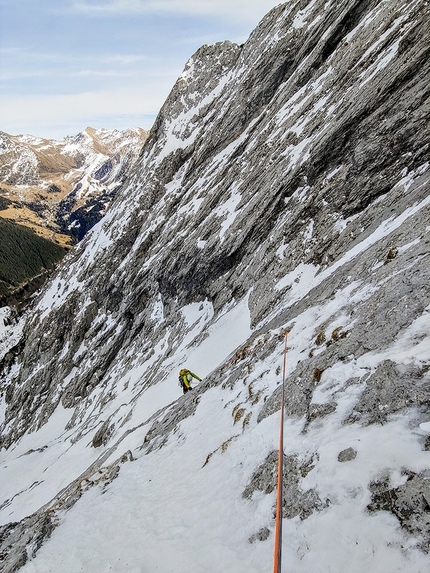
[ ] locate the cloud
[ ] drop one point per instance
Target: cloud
(102, 74)
(54, 107)
(27, 65)
(56, 115)
(124, 59)
(244, 10)
(99, 73)
(22, 74)
(24, 55)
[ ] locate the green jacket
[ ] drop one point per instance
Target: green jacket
(185, 377)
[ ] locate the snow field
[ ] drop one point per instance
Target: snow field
(147, 519)
(63, 457)
(177, 531)
(150, 516)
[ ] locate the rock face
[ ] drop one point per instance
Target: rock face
(295, 502)
(409, 502)
(287, 178)
(62, 188)
(347, 455)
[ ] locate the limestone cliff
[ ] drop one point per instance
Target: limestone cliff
(285, 183)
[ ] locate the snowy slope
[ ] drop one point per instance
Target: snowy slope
(181, 506)
(284, 185)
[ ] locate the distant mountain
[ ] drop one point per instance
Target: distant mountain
(62, 188)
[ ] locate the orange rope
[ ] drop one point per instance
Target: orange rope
(278, 531)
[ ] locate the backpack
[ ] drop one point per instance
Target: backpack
(182, 373)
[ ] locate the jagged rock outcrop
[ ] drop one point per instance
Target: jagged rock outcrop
(409, 502)
(347, 455)
(287, 179)
(295, 502)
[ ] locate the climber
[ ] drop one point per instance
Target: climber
(185, 377)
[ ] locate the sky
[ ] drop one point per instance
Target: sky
(69, 64)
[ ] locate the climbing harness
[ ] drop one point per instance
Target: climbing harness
(278, 530)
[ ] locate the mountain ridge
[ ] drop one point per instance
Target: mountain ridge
(47, 181)
(59, 190)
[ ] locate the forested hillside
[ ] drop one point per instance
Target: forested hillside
(23, 256)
